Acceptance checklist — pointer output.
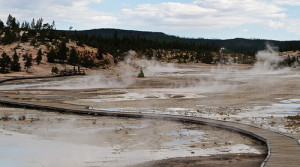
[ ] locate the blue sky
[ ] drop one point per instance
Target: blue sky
(223, 19)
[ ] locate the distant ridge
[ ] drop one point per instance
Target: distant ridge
(236, 44)
(110, 32)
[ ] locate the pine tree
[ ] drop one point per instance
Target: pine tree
(15, 65)
(26, 25)
(32, 24)
(192, 59)
(1, 25)
(199, 55)
(38, 58)
(33, 42)
(9, 37)
(53, 25)
(23, 25)
(15, 24)
(25, 56)
(24, 37)
(207, 58)
(12, 23)
(51, 56)
(62, 52)
(87, 62)
(186, 57)
(4, 63)
(99, 53)
(28, 62)
(73, 57)
(9, 21)
(39, 24)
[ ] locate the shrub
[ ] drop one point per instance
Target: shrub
(141, 74)
(54, 70)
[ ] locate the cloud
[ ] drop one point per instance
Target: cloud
(205, 14)
(287, 2)
(36, 4)
(275, 24)
(62, 11)
(245, 30)
(293, 25)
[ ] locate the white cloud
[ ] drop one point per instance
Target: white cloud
(35, 4)
(293, 25)
(275, 24)
(62, 11)
(205, 14)
(287, 2)
(245, 30)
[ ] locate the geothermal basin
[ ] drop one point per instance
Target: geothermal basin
(265, 98)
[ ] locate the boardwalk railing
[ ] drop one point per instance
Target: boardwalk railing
(68, 72)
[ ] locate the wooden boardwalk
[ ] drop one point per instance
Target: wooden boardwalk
(33, 77)
(69, 72)
(62, 73)
(283, 151)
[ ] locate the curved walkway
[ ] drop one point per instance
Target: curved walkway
(32, 77)
(283, 151)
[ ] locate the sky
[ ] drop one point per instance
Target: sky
(213, 19)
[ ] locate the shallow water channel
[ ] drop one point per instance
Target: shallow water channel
(36, 138)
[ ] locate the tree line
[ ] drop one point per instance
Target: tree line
(117, 45)
(37, 31)
(13, 64)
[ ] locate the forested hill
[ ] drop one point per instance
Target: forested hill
(109, 33)
(238, 44)
(41, 42)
